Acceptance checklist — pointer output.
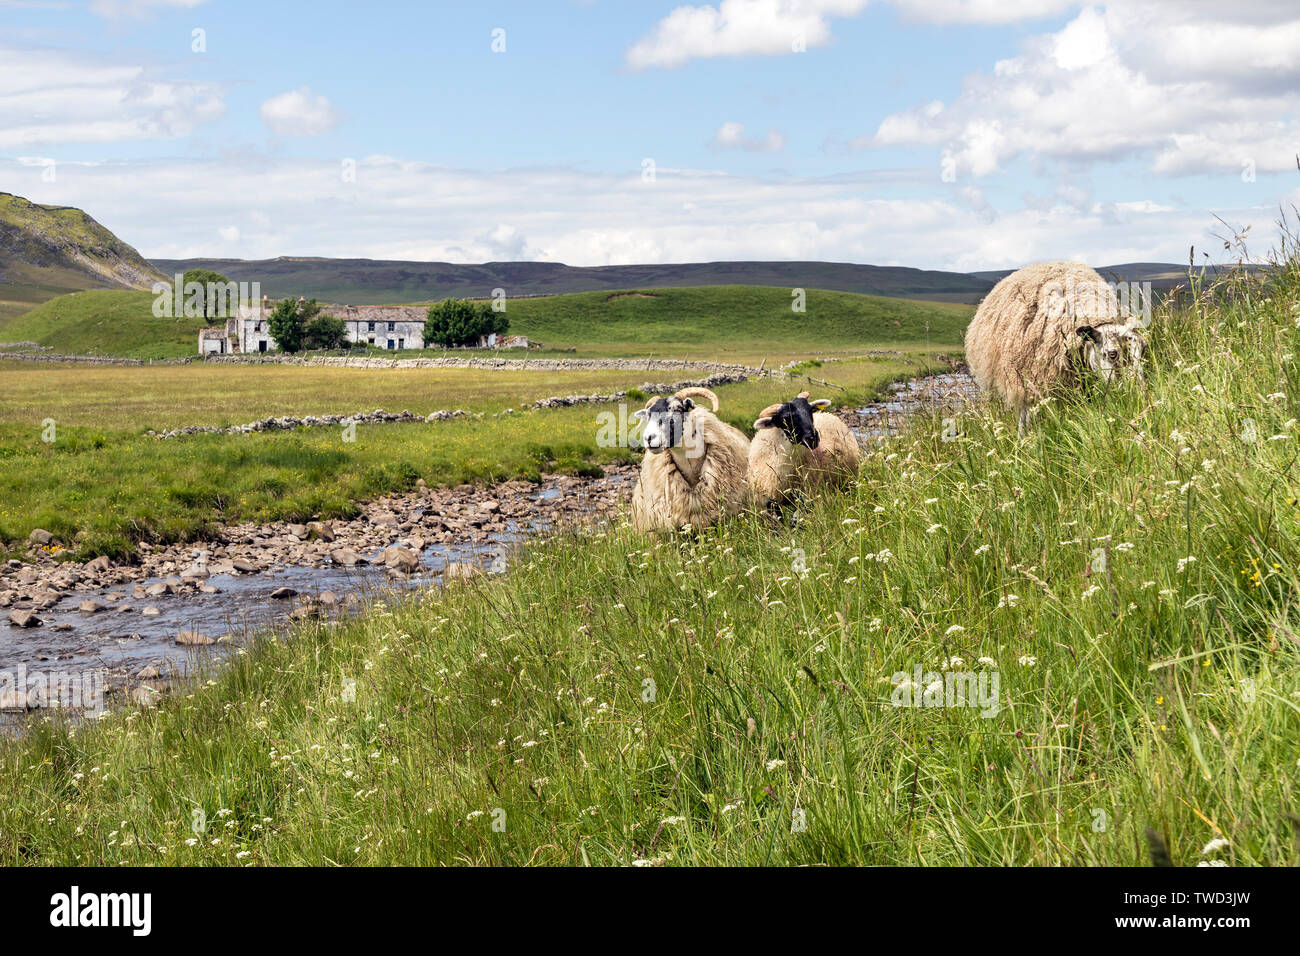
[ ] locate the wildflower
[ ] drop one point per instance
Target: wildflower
(242, 854)
(981, 549)
(955, 629)
(1009, 600)
(673, 821)
(952, 663)
(1218, 843)
(933, 528)
(1027, 661)
(1091, 591)
(987, 662)
(1212, 863)
(875, 624)
(473, 814)
(774, 764)
(1184, 562)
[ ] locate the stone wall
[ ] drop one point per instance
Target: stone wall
(488, 364)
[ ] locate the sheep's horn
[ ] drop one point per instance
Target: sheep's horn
(769, 411)
(701, 392)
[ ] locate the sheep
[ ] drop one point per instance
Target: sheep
(1043, 327)
(798, 446)
(694, 467)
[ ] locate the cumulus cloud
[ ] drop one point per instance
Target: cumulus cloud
(1213, 94)
(739, 28)
(732, 136)
(52, 97)
(397, 209)
(299, 112)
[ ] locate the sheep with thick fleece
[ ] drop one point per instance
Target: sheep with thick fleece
(797, 446)
(694, 467)
(1046, 327)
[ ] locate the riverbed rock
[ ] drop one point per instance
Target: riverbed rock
(281, 593)
(145, 696)
(21, 618)
(327, 599)
(40, 537)
(90, 607)
(99, 564)
(157, 589)
(193, 638)
(401, 559)
(320, 530)
(243, 566)
(346, 558)
(151, 611)
(148, 672)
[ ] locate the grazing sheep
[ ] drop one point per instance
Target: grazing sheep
(798, 446)
(1043, 327)
(694, 467)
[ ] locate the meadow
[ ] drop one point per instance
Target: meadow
(1128, 570)
(730, 323)
(105, 484)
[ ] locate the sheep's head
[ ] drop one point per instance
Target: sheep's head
(666, 423)
(1112, 348)
(795, 419)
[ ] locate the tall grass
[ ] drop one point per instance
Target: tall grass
(1129, 570)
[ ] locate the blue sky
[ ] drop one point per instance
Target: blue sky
(959, 134)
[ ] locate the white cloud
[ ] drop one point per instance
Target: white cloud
(407, 210)
(732, 136)
(1207, 97)
(739, 28)
(229, 233)
(51, 97)
(299, 112)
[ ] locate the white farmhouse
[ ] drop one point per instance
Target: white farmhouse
(394, 327)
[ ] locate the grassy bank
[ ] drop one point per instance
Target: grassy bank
(714, 321)
(1129, 571)
(103, 477)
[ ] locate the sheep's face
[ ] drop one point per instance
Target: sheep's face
(1113, 349)
(795, 419)
(665, 423)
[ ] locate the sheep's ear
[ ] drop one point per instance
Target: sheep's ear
(763, 422)
(641, 414)
(687, 404)
(821, 404)
(1088, 332)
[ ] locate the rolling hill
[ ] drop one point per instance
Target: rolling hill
(371, 281)
(687, 321)
(46, 251)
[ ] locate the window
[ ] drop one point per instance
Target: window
(371, 328)
(401, 343)
(392, 326)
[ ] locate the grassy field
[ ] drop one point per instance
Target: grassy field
(103, 477)
(137, 399)
(725, 322)
(1129, 571)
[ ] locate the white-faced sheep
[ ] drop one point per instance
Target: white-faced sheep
(694, 467)
(1044, 327)
(797, 446)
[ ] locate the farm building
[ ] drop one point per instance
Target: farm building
(394, 327)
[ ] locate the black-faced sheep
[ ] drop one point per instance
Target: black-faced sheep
(797, 446)
(1046, 326)
(694, 467)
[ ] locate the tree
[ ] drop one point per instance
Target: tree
(325, 332)
(209, 294)
(454, 322)
(289, 321)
